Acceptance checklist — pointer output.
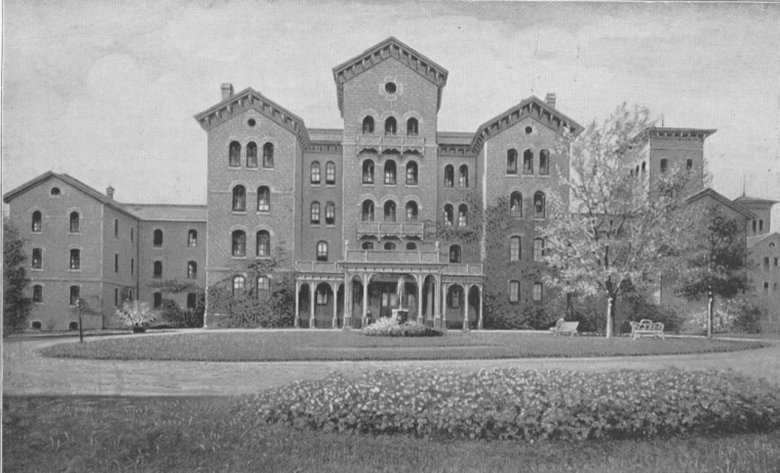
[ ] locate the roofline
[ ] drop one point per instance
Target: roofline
(757, 200)
(388, 40)
(643, 135)
(723, 200)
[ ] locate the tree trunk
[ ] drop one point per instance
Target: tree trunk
(610, 315)
(710, 303)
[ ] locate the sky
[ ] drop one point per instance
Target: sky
(106, 90)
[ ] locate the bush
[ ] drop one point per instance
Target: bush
(389, 327)
(136, 314)
(178, 317)
(740, 314)
(637, 308)
(525, 405)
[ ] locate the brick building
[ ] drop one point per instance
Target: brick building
(763, 255)
(382, 214)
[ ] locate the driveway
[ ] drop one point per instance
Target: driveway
(26, 372)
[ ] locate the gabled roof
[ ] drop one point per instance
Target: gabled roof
(745, 200)
(756, 239)
(251, 99)
(102, 198)
(531, 107)
(391, 47)
(709, 192)
(168, 212)
(668, 132)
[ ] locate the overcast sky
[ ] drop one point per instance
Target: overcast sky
(105, 90)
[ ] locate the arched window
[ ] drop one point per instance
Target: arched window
(455, 254)
(515, 248)
(463, 176)
(449, 175)
(268, 155)
(664, 164)
(157, 270)
(544, 162)
(449, 216)
(75, 294)
(389, 211)
(322, 251)
(234, 154)
(368, 245)
(514, 291)
(511, 161)
(192, 238)
(539, 208)
(528, 162)
(74, 222)
(263, 247)
(411, 246)
(538, 249)
(55, 191)
(516, 204)
(368, 125)
(689, 164)
(455, 296)
(411, 173)
(315, 212)
(463, 215)
(238, 243)
(368, 172)
(330, 213)
(411, 211)
(251, 155)
(412, 127)
(390, 172)
(37, 219)
(192, 270)
(157, 238)
(239, 199)
(315, 172)
(367, 211)
(390, 246)
(538, 293)
(75, 259)
(38, 294)
(390, 126)
(239, 282)
(330, 173)
(37, 258)
(263, 199)
(263, 284)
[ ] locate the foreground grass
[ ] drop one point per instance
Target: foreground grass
(101, 434)
(337, 345)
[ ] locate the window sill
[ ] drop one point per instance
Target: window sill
(238, 212)
(412, 185)
(238, 256)
(74, 233)
(366, 184)
(36, 269)
(263, 212)
(331, 184)
(72, 270)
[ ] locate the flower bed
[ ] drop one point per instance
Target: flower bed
(389, 327)
(529, 405)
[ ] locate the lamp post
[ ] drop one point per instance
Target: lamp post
(80, 307)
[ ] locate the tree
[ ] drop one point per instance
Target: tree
(16, 307)
(622, 235)
(716, 261)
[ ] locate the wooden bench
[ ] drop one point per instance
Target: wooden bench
(647, 328)
(564, 327)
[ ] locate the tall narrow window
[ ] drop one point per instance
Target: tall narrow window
(239, 283)
(238, 243)
(390, 172)
(689, 164)
(116, 262)
(539, 206)
(389, 211)
(192, 238)
(528, 162)
(511, 161)
(516, 204)
(322, 251)
(455, 254)
(239, 199)
(116, 228)
(37, 293)
(74, 222)
(664, 165)
(36, 221)
(463, 215)
(463, 176)
(538, 292)
(368, 172)
(37, 258)
(390, 126)
(263, 199)
(514, 291)
(515, 249)
(263, 243)
(449, 176)
(368, 125)
(412, 127)
(75, 293)
(411, 173)
(75, 259)
(315, 212)
(449, 215)
(192, 270)
(251, 155)
(157, 238)
(268, 155)
(330, 173)
(330, 213)
(760, 226)
(315, 172)
(132, 266)
(263, 284)
(367, 211)
(411, 211)
(754, 226)
(132, 234)
(192, 301)
(157, 270)
(234, 154)
(544, 162)
(538, 249)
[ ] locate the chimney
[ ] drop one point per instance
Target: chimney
(550, 99)
(110, 192)
(227, 90)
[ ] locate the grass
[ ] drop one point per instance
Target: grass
(337, 345)
(117, 434)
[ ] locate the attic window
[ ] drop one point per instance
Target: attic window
(528, 130)
(55, 191)
(251, 122)
(390, 87)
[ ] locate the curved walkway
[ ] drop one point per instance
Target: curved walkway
(26, 372)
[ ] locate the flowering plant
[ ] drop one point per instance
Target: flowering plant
(136, 314)
(389, 327)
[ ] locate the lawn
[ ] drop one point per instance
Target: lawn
(337, 345)
(101, 434)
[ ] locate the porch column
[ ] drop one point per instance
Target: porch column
(441, 306)
(334, 288)
(466, 307)
(297, 320)
(479, 316)
(365, 300)
(420, 280)
(347, 301)
(312, 289)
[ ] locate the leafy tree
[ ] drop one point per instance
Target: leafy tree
(16, 307)
(621, 236)
(716, 260)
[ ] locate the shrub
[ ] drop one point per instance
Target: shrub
(739, 313)
(178, 317)
(637, 308)
(136, 314)
(525, 405)
(389, 327)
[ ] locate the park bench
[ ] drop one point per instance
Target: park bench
(647, 328)
(564, 327)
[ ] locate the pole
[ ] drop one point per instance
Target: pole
(81, 328)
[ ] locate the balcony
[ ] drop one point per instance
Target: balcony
(378, 256)
(316, 267)
(391, 229)
(400, 143)
(454, 269)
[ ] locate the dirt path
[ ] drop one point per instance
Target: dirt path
(26, 372)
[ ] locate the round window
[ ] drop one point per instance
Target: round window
(390, 87)
(55, 191)
(251, 122)
(528, 130)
